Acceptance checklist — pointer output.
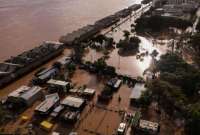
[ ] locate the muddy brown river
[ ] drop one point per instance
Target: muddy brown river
(26, 23)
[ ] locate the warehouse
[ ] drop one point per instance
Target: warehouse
(58, 85)
(26, 95)
(73, 102)
(50, 102)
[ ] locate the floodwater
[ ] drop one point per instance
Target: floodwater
(129, 65)
(26, 23)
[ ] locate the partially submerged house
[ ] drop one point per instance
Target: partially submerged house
(25, 95)
(50, 102)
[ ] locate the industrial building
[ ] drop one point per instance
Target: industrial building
(149, 127)
(57, 111)
(50, 102)
(74, 102)
(26, 95)
(59, 85)
(43, 76)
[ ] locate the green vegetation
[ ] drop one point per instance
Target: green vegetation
(176, 90)
(129, 44)
(159, 23)
(102, 67)
(104, 42)
(145, 99)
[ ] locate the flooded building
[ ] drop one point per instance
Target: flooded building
(50, 102)
(26, 95)
(44, 75)
(147, 127)
(70, 116)
(57, 111)
(25, 62)
(114, 83)
(79, 35)
(74, 102)
(58, 85)
(88, 92)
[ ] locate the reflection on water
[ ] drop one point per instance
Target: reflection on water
(137, 90)
(25, 23)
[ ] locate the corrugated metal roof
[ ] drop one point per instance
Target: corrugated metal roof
(58, 82)
(25, 92)
(49, 102)
(73, 101)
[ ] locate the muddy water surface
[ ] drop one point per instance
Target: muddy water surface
(26, 23)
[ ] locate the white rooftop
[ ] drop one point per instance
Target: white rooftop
(55, 133)
(57, 82)
(148, 125)
(25, 92)
(89, 91)
(48, 102)
(73, 101)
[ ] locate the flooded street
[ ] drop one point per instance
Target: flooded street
(129, 65)
(26, 23)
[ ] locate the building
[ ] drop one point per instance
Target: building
(50, 102)
(59, 85)
(73, 102)
(114, 83)
(149, 127)
(89, 92)
(57, 111)
(26, 95)
(79, 35)
(44, 75)
(178, 1)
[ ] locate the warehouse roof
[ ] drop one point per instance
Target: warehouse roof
(73, 102)
(58, 82)
(88, 91)
(49, 102)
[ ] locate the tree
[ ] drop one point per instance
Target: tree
(126, 34)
